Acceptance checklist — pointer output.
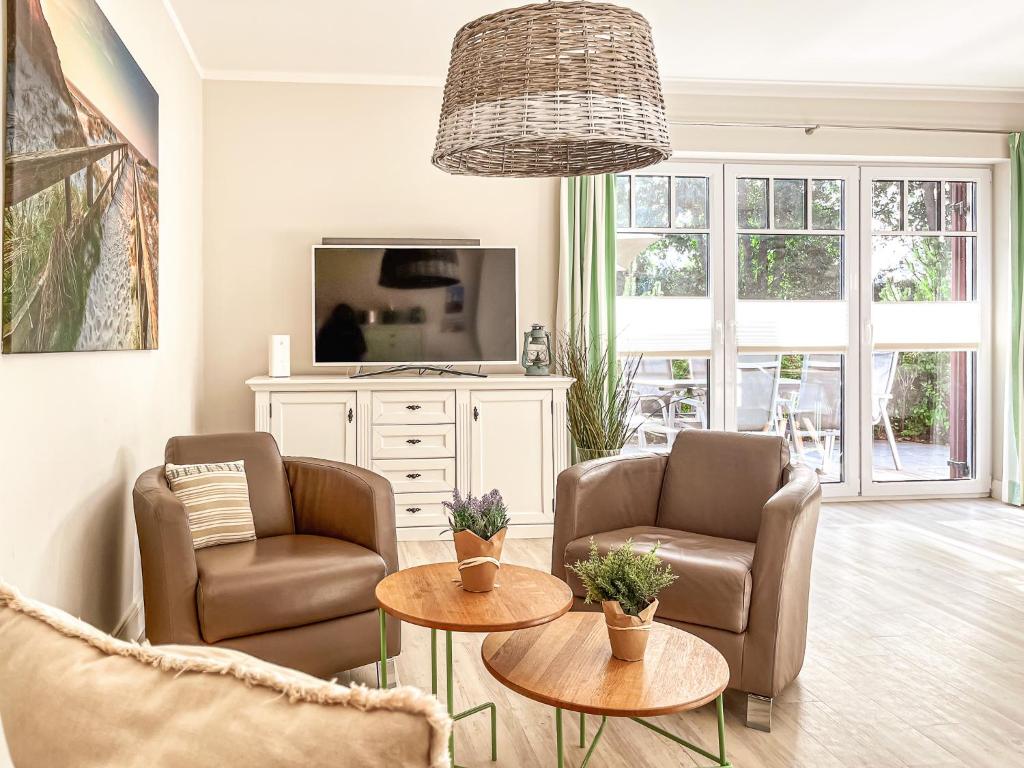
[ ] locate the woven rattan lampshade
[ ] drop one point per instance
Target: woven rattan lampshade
(552, 89)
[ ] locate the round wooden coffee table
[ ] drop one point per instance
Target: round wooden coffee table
(568, 664)
(430, 596)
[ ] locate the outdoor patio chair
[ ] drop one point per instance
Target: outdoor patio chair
(652, 403)
(816, 408)
(757, 393)
(883, 376)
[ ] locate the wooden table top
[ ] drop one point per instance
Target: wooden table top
(428, 595)
(568, 663)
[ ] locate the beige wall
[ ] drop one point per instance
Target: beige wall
(286, 164)
(76, 429)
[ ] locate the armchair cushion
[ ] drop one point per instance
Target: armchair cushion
(716, 483)
(216, 500)
(282, 582)
(269, 496)
(714, 584)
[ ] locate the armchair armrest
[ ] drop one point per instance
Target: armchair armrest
(344, 501)
(605, 495)
(777, 629)
(169, 574)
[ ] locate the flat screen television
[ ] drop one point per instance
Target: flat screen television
(409, 305)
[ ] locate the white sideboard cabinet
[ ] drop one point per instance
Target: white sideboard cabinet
(428, 435)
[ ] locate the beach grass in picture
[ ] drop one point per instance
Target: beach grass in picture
(81, 224)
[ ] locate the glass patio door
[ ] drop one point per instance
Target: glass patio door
(791, 342)
(925, 356)
(668, 296)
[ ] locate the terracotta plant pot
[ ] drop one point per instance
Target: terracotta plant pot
(478, 577)
(628, 634)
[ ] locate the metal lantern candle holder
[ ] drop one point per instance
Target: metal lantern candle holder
(537, 351)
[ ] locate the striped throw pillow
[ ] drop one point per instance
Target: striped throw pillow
(216, 499)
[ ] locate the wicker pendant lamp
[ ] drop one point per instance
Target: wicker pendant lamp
(552, 89)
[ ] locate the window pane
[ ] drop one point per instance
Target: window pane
(827, 204)
(651, 201)
(669, 395)
(923, 205)
(673, 265)
(959, 197)
(622, 201)
(752, 203)
(886, 205)
(922, 268)
(791, 267)
(691, 202)
(922, 411)
(790, 202)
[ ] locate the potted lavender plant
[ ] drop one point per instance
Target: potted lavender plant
(479, 527)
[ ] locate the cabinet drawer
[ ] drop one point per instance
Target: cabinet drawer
(427, 441)
(420, 509)
(414, 407)
(418, 475)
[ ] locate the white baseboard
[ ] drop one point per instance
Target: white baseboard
(132, 627)
(438, 533)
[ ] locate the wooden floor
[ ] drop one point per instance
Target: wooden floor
(915, 655)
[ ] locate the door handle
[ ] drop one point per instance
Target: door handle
(413, 407)
(412, 510)
(349, 415)
(413, 441)
(476, 413)
(413, 475)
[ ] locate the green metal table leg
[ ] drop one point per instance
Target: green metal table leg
(433, 662)
(383, 648)
(720, 706)
(719, 759)
(583, 729)
(593, 744)
(449, 672)
(558, 736)
(450, 695)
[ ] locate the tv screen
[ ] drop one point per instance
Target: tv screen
(404, 304)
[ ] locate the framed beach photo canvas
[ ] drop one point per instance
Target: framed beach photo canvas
(81, 224)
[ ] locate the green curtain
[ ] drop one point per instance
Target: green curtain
(1013, 470)
(586, 269)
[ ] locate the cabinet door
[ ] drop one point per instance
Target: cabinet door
(320, 425)
(512, 451)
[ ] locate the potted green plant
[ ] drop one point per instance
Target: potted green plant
(626, 583)
(600, 403)
(478, 527)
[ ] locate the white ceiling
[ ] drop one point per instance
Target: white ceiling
(956, 43)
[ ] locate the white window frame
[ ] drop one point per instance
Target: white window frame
(982, 481)
(722, 283)
(848, 486)
(714, 232)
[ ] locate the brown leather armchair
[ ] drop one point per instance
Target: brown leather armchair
(300, 595)
(736, 521)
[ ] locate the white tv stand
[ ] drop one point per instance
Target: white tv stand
(428, 435)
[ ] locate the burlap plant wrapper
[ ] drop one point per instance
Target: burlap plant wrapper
(478, 577)
(628, 634)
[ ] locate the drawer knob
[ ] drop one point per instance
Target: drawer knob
(413, 441)
(413, 510)
(413, 407)
(413, 475)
